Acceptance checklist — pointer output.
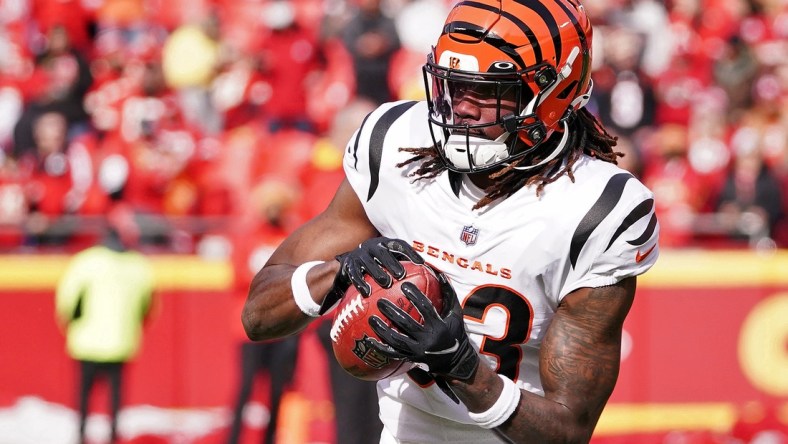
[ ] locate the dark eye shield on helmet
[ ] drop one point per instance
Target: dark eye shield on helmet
(502, 87)
(445, 87)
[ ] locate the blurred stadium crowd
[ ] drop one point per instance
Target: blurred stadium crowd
(217, 121)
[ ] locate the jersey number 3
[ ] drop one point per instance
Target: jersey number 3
(517, 328)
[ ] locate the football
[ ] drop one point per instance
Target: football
(351, 332)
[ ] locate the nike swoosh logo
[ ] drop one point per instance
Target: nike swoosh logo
(640, 257)
(447, 351)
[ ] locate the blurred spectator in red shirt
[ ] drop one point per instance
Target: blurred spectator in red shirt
(623, 95)
(69, 15)
(222, 171)
(708, 152)
(63, 77)
(736, 67)
(150, 135)
(679, 192)
(332, 88)
(239, 90)
(60, 171)
(676, 90)
(291, 59)
(58, 177)
(751, 197)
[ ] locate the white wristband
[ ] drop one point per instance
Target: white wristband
(503, 408)
(301, 290)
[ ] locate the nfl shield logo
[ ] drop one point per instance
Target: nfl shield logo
(469, 234)
(366, 353)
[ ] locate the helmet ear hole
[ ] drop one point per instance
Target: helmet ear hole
(566, 91)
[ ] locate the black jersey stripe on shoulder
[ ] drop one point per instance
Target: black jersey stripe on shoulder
(610, 197)
(455, 180)
(376, 142)
(652, 225)
(635, 215)
(355, 144)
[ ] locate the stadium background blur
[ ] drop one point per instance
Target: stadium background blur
(222, 124)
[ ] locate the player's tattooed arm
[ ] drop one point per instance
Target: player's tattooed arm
(579, 364)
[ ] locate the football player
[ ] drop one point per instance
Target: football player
(504, 182)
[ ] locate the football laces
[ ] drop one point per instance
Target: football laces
(348, 312)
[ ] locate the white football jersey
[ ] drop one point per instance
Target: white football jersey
(510, 263)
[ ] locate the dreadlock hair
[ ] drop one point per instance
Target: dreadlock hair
(586, 136)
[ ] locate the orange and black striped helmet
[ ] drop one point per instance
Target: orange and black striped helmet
(535, 51)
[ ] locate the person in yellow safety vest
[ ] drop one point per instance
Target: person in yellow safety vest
(102, 301)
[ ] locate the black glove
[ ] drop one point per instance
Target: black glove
(441, 342)
(378, 257)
